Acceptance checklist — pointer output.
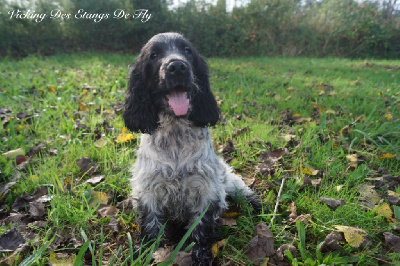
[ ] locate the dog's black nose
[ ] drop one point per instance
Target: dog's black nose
(177, 68)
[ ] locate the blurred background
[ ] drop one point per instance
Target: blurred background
(344, 28)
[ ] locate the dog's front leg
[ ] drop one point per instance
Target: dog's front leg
(150, 223)
(204, 234)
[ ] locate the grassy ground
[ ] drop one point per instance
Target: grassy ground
(338, 119)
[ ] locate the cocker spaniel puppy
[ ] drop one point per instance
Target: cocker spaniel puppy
(177, 174)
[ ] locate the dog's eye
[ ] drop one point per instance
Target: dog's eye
(188, 51)
(153, 55)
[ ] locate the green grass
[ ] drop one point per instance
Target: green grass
(252, 92)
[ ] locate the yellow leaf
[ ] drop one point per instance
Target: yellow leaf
(354, 236)
(124, 130)
(385, 211)
(230, 214)
(387, 156)
(83, 107)
(238, 91)
(61, 259)
(125, 137)
(216, 246)
(98, 198)
(388, 116)
(352, 159)
(52, 89)
(297, 115)
(309, 171)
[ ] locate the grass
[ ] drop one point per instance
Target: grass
(347, 107)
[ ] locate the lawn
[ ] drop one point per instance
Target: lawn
(326, 132)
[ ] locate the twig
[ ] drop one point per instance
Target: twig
(278, 199)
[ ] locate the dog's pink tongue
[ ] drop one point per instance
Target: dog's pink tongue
(178, 102)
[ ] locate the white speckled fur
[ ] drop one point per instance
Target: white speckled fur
(177, 170)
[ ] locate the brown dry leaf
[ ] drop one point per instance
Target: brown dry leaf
(385, 210)
(392, 242)
(316, 182)
(308, 170)
(332, 203)
(331, 242)
(352, 159)
(61, 259)
(11, 240)
(183, 258)
(37, 210)
(87, 166)
(107, 211)
(305, 218)
(280, 252)
(354, 236)
(162, 254)
(393, 197)
(249, 181)
(262, 245)
(216, 246)
(277, 154)
(227, 221)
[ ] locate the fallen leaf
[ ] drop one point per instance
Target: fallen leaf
(385, 210)
(95, 179)
(183, 258)
(13, 153)
(277, 153)
(37, 209)
(280, 252)
(387, 156)
(332, 203)
(262, 245)
(305, 218)
(392, 242)
(87, 166)
(308, 170)
(354, 236)
(393, 197)
(227, 221)
(216, 246)
(35, 150)
(249, 181)
(4, 190)
(98, 198)
(100, 143)
(352, 159)
(293, 211)
(126, 206)
(107, 211)
(388, 116)
(316, 182)
(11, 240)
(331, 242)
(61, 259)
(20, 159)
(230, 214)
(162, 254)
(369, 197)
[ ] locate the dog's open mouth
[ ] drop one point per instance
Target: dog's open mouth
(178, 101)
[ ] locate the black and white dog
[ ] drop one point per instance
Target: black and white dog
(177, 174)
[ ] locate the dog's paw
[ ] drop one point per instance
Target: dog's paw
(201, 256)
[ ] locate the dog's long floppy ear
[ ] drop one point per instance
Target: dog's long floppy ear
(204, 111)
(140, 113)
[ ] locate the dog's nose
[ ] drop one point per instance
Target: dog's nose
(177, 68)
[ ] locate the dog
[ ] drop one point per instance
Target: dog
(177, 174)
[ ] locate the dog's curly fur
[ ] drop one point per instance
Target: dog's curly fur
(177, 174)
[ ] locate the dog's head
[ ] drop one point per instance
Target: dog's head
(169, 77)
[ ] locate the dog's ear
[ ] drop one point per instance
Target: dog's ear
(140, 113)
(204, 111)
